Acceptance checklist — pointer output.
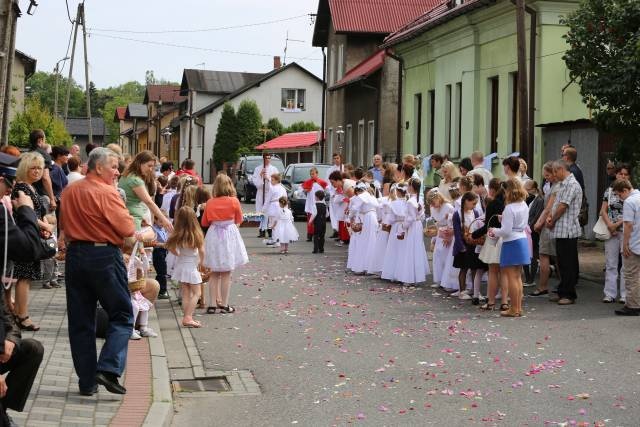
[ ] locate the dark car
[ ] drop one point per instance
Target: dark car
(244, 184)
(294, 175)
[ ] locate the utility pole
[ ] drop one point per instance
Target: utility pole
(86, 70)
(9, 13)
(56, 71)
(73, 55)
(523, 113)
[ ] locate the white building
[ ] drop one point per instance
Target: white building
(289, 93)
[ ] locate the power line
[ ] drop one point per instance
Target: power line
(200, 30)
(182, 46)
(68, 13)
(66, 55)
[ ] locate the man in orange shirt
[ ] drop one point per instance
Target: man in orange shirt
(95, 222)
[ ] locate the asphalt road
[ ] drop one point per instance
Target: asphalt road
(329, 348)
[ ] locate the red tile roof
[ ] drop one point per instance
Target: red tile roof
(120, 113)
(362, 70)
(170, 94)
(437, 15)
(376, 16)
(291, 140)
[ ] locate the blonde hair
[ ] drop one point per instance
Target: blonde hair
(277, 178)
(454, 172)
(433, 195)
(223, 186)
(514, 192)
(27, 160)
(187, 232)
(116, 149)
(188, 197)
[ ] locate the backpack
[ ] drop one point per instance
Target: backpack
(583, 216)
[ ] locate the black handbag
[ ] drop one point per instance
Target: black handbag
(47, 248)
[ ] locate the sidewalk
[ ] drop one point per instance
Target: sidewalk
(54, 398)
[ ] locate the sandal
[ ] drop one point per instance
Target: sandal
(488, 307)
(504, 307)
(538, 293)
(30, 327)
(509, 313)
(211, 310)
(192, 324)
(226, 310)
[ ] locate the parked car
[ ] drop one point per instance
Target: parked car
(294, 175)
(244, 183)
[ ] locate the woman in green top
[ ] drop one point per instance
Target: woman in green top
(138, 182)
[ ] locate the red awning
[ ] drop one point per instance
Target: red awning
(362, 70)
(291, 140)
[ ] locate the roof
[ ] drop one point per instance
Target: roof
(77, 126)
(215, 82)
(363, 70)
(437, 15)
(366, 16)
(29, 63)
(120, 114)
(291, 140)
(136, 111)
(169, 94)
(264, 77)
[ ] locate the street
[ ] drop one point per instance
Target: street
(330, 348)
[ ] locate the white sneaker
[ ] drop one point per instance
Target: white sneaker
(148, 332)
(339, 243)
(464, 296)
(436, 294)
(608, 300)
(466, 291)
(135, 335)
(456, 294)
(435, 285)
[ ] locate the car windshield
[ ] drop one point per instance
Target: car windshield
(301, 173)
(252, 164)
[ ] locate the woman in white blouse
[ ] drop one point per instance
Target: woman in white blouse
(515, 247)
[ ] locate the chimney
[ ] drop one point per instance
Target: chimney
(276, 62)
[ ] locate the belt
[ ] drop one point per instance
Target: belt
(96, 244)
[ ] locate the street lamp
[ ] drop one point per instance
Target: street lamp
(166, 134)
(340, 132)
(56, 71)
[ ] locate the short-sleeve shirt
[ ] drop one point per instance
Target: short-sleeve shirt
(136, 207)
(615, 205)
(631, 213)
(570, 194)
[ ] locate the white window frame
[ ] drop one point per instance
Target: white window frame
(340, 70)
(348, 143)
(330, 65)
(330, 142)
(371, 138)
(360, 143)
(293, 107)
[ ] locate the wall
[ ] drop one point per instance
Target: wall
(16, 103)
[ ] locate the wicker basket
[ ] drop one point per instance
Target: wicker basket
(250, 224)
(386, 228)
(205, 273)
(400, 236)
(356, 227)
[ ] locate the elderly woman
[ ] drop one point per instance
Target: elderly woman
(449, 172)
(29, 171)
(137, 182)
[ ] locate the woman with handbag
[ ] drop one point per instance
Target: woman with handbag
(611, 215)
(29, 171)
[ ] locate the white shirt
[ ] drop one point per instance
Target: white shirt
(259, 182)
(515, 218)
(74, 176)
(272, 196)
(484, 173)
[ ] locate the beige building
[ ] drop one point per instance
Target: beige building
(23, 67)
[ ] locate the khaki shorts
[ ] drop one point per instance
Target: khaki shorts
(547, 244)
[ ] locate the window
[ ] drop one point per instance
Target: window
(417, 108)
(340, 62)
(447, 118)
(494, 91)
(332, 60)
(371, 139)
(458, 141)
(330, 150)
(349, 144)
(432, 121)
(293, 100)
(515, 112)
(360, 147)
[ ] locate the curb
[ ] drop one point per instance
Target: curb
(161, 410)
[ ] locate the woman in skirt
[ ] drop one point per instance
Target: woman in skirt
(515, 245)
(224, 247)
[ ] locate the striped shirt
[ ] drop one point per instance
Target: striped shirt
(570, 194)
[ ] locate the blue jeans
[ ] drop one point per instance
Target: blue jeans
(159, 257)
(97, 273)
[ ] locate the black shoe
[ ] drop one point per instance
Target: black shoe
(314, 252)
(261, 235)
(322, 251)
(110, 382)
(475, 301)
(89, 392)
(626, 311)
(164, 295)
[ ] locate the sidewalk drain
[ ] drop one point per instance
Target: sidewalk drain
(215, 384)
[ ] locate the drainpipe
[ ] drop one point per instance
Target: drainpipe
(202, 128)
(324, 106)
(399, 129)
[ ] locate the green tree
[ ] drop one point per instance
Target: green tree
(227, 143)
(37, 116)
(249, 125)
(275, 128)
(302, 127)
(604, 59)
(119, 96)
(42, 86)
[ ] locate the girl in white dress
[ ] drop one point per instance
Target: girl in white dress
(413, 266)
(395, 244)
(362, 209)
(442, 213)
(271, 207)
(283, 230)
(187, 244)
(386, 218)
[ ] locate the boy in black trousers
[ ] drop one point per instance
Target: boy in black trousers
(319, 223)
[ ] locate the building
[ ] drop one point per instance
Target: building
(78, 128)
(23, 67)
(135, 137)
(297, 147)
(460, 87)
(289, 93)
(363, 81)
(163, 106)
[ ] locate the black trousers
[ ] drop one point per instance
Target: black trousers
(318, 239)
(159, 259)
(23, 368)
(567, 255)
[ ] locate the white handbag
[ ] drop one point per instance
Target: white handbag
(601, 231)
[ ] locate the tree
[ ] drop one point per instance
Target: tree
(119, 96)
(227, 143)
(42, 85)
(604, 59)
(37, 116)
(249, 125)
(275, 128)
(301, 127)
